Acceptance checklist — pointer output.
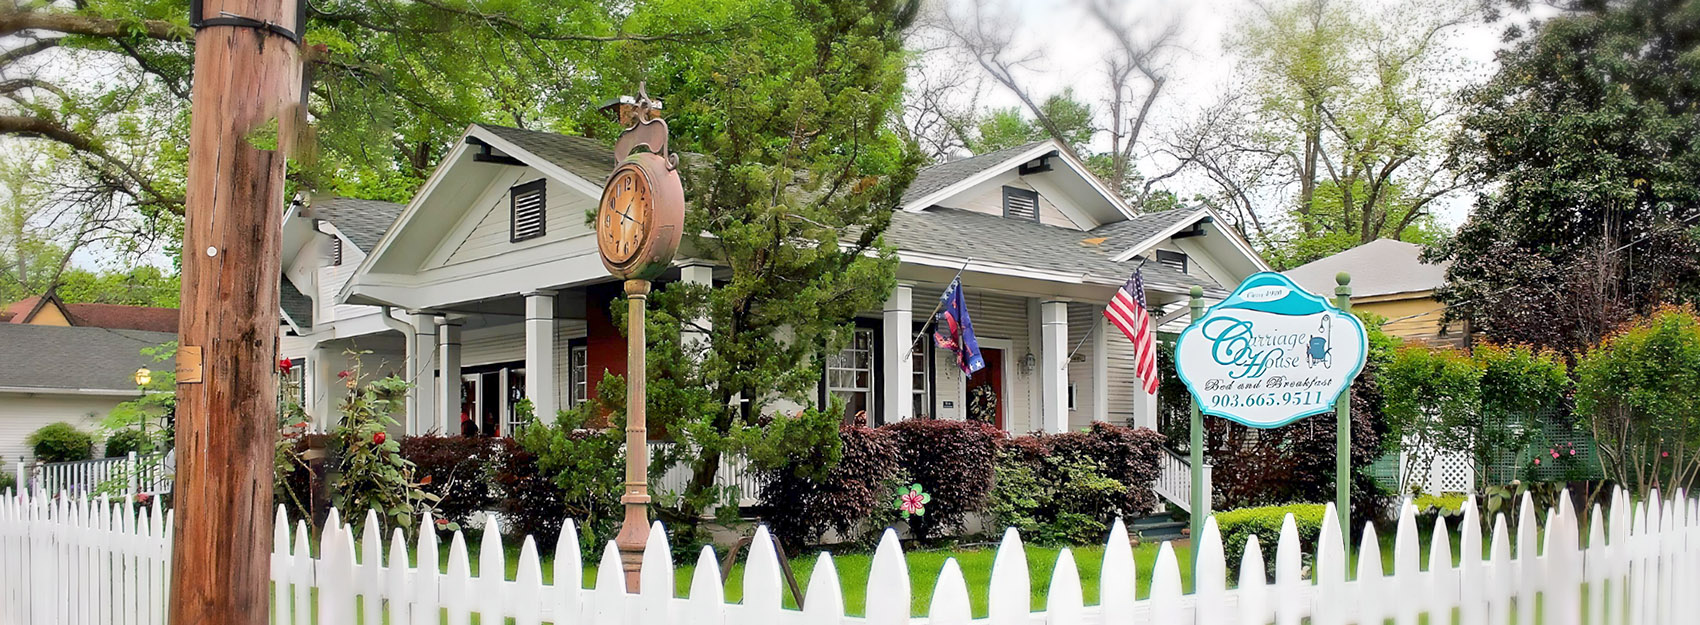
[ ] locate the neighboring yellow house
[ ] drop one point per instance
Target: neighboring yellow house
(1389, 279)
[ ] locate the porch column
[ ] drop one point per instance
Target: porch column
(448, 392)
(1144, 405)
(1053, 365)
(540, 354)
(422, 372)
(704, 275)
(899, 333)
(1101, 369)
(323, 393)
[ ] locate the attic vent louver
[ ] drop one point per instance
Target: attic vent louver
(529, 214)
(1020, 204)
(336, 251)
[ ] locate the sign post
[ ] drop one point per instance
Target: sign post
(1268, 355)
(1195, 447)
(1343, 426)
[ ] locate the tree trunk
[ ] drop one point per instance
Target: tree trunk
(243, 117)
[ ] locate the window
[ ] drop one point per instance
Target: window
(1175, 260)
(336, 251)
(528, 216)
(516, 392)
(1071, 396)
(850, 373)
(920, 363)
(578, 368)
(1020, 204)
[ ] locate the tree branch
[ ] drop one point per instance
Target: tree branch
(110, 167)
(13, 21)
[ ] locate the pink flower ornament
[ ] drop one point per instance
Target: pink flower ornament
(912, 501)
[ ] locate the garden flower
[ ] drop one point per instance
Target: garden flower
(285, 365)
(1555, 455)
(1537, 462)
(378, 439)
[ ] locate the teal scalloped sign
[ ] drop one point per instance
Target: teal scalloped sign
(1270, 354)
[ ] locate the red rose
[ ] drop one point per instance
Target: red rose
(285, 364)
(343, 374)
(378, 439)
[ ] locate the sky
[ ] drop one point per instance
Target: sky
(1068, 49)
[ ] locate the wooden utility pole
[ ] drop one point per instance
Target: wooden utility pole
(243, 116)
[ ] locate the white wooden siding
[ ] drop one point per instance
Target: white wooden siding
(1123, 379)
(990, 202)
(21, 414)
(490, 237)
(1081, 318)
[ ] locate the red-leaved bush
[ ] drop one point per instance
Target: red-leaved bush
(799, 505)
(1127, 455)
(954, 461)
(455, 468)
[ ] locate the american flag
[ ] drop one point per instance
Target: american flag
(1127, 311)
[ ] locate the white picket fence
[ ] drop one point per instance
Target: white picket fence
(65, 561)
(128, 474)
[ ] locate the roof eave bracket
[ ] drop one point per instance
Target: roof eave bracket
(487, 154)
(1043, 166)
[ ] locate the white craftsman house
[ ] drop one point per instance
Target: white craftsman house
(487, 288)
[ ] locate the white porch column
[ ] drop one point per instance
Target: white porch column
(1053, 365)
(1144, 405)
(1101, 369)
(540, 353)
(448, 392)
(323, 393)
(899, 333)
(704, 275)
(422, 371)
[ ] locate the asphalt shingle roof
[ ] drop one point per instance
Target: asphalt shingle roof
(967, 234)
(363, 221)
(584, 157)
(296, 304)
(1125, 234)
(75, 358)
(935, 177)
(1380, 267)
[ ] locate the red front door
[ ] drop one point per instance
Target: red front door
(990, 377)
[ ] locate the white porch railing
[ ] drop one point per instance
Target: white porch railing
(734, 471)
(131, 474)
(1174, 483)
(72, 561)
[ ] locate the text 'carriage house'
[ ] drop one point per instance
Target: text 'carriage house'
(487, 289)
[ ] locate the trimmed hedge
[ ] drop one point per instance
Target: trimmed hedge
(455, 468)
(1068, 488)
(954, 461)
(800, 504)
(61, 442)
(1238, 526)
(122, 442)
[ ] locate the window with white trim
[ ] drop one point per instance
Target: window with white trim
(578, 377)
(850, 373)
(527, 212)
(920, 361)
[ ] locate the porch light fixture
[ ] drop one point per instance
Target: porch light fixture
(1027, 364)
(143, 376)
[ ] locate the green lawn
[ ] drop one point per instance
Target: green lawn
(924, 568)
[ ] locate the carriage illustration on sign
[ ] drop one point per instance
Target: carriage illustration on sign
(1320, 351)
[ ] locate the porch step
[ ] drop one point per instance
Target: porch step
(1157, 528)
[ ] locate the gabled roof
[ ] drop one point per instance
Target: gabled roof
(585, 157)
(967, 234)
(1380, 267)
(363, 221)
(75, 359)
(25, 310)
(1141, 229)
(933, 178)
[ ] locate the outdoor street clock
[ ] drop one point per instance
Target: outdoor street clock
(641, 215)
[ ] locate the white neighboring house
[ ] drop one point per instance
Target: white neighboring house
(75, 374)
(495, 292)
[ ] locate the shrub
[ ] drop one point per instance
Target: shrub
(802, 499)
(457, 469)
(61, 442)
(370, 472)
(1636, 390)
(1238, 526)
(551, 472)
(7, 482)
(1069, 488)
(122, 442)
(954, 461)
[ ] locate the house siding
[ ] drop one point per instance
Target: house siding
(989, 200)
(996, 317)
(490, 236)
(21, 414)
(1081, 318)
(1123, 379)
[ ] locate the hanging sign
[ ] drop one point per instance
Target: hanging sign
(1270, 354)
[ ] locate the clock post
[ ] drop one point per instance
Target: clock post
(638, 224)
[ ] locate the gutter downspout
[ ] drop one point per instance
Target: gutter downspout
(407, 330)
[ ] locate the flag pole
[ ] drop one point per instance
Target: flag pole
(934, 315)
(1094, 327)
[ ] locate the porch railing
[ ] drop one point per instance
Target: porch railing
(1175, 481)
(735, 471)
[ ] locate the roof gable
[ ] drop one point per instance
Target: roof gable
(1047, 166)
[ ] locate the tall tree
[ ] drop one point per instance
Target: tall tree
(801, 164)
(1587, 136)
(1340, 120)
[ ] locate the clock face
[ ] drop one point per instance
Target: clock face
(623, 219)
